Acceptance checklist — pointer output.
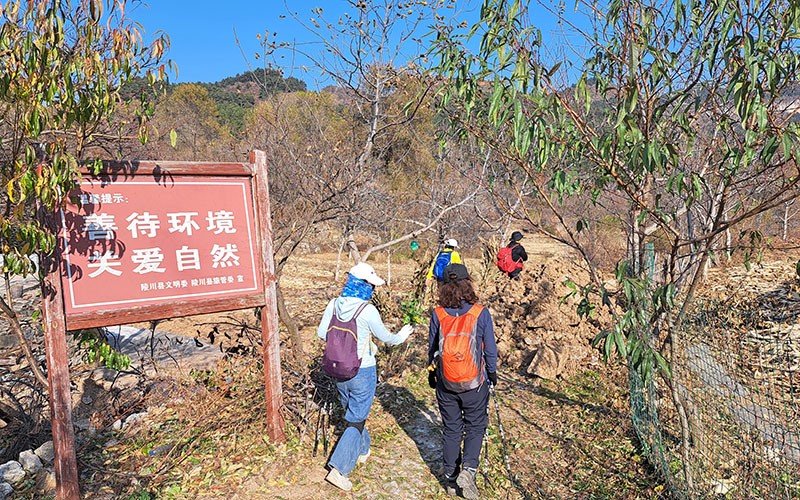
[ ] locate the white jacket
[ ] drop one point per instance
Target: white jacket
(368, 322)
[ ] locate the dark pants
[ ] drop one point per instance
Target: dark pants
(514, 273)
(463, 414)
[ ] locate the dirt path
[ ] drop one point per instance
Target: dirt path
(565, 440)
(404, 461)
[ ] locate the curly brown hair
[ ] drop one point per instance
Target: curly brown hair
(451, 294)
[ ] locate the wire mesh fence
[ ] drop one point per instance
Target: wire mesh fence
(726, 424)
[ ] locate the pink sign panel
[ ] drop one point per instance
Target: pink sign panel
(140, 242)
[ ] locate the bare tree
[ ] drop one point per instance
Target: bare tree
(360, 156)
(369, 56)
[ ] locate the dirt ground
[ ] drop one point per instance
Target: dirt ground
(568, 436)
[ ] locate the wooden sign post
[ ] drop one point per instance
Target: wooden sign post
(55, 345)
(269, 313)
(153, 240)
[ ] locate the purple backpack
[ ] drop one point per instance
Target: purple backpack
(341, 360)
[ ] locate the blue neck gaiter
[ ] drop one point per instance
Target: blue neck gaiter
(357, 288)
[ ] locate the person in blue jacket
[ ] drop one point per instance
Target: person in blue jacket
(464, 409)
(357, 393)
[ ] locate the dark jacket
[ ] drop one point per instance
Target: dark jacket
(518, 252)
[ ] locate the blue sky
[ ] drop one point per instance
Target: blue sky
(203, 33)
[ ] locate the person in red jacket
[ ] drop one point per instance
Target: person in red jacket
(518, 253)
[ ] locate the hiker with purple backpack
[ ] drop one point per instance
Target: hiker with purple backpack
(347, 326)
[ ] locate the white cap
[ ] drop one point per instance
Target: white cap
(451, 243)
(364, 271)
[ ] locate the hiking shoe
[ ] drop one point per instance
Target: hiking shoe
(337, 479)
(466, 481)
(363, 458)
(450, 486)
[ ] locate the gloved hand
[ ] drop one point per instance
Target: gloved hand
(432, 379)
(492, 376)
(405, 332)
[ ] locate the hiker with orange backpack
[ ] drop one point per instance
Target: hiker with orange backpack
(347, 326)
(462, 355)
(511, 258)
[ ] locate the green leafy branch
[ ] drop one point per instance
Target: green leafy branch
(97, 349)
(412, 311)
(634, 332)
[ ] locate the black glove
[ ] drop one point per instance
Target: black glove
(492, 376)
(432, 379)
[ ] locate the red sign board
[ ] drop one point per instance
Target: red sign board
(144, 240)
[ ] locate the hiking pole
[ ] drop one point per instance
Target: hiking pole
(327, 421)
(502, 434)
(486, 457)
(316, 433)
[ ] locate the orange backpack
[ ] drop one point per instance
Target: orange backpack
(461, 366)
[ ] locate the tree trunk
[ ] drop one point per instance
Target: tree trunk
(389, 268)
(291, 325)
(715, 213)
(728, 244)
(787, 216)
(339, 260)
(353, 248)
(687, 263)
(348, 234)
(635, 243)
(15, 326)
(9, 293)
(685, 433)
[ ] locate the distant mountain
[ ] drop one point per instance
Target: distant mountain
(262, 82)
(234, 95)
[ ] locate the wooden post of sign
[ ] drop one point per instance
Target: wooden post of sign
(55, 344)
(269, 313)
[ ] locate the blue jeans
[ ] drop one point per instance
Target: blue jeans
(356, 395)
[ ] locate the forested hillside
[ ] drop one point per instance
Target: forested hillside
(234, 96)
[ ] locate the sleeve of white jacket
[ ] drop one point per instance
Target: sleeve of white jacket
(379, 330)
(322, 329)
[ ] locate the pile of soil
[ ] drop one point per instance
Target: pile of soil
(538, 329)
